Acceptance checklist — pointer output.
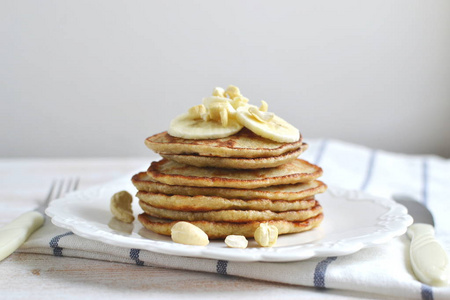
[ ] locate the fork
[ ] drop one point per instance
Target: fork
(14, 234)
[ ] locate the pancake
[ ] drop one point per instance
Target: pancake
(220, 230)
(232, 215)
(174, 173)
(236, 162)
(242, 144)
(288, 192)
(211, 203)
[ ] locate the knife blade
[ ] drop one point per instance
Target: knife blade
(429, 260)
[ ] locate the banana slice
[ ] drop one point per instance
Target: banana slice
(187, 127)
(275, 128)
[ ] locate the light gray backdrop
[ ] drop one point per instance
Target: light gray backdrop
(95, 78)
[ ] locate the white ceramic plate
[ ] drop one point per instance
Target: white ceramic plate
(353, 220)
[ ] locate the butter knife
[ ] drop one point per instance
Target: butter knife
(429, 260)
(14, 234)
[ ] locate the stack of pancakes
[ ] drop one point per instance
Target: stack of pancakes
(229, 185)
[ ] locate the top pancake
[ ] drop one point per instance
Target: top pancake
(242, 144)
(174, 173)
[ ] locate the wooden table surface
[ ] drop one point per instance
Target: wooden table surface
(25, 182)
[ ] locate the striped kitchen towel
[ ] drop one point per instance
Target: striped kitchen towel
(382, 269)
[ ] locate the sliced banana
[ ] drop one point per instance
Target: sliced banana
(184, 126)
(262, 116)
(225, 113)
(275, 129)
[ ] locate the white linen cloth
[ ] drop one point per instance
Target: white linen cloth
(383, 270)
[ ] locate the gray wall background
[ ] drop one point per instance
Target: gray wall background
(95, 78)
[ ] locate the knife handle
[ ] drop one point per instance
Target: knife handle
(14, 234)
(428, 258)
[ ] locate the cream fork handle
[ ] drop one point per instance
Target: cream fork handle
(428, 259)
(14, 234)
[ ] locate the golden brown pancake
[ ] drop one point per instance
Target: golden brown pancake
(289, 192)
(242, 144)
(173, 173)
(220, 230)
(236, 162)
(210, 203)
(238, 216)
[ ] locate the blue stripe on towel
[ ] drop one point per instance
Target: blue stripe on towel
(57, 251)
(134, 255)
(427, 292)
(221, 267)
(369, 172)
(320, 271)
